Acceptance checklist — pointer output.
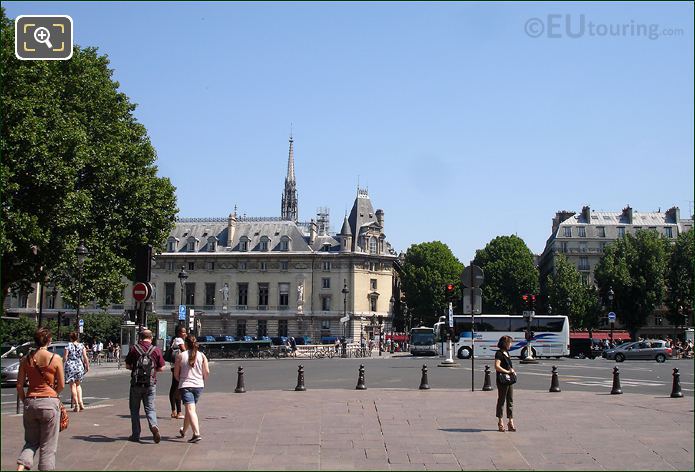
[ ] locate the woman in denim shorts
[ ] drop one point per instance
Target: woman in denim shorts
(191, 370)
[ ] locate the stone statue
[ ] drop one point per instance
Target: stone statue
(300, 297)
(225, 293)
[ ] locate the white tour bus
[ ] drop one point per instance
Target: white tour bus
(551, 335)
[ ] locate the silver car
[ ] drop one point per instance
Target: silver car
(649, 349)
(10, 360)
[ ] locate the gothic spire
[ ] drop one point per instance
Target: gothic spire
(289, 210)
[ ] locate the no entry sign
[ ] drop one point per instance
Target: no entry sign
(141, 291)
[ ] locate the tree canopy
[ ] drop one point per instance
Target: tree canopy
(509, 272)
(634, 267)
(569, 296)
(427, 268)
(679, 278)
(76, 166)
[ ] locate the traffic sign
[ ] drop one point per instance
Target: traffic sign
(141, 291)
(81, 322)
(182, 312)
(472, 276)
(611, 316)
(451, 315)
(467, 309)
(345, 319)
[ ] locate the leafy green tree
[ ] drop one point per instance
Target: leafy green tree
(679, 278)
(509, 272)
(634, 267)
(565, 285)
(76, 165)
(427, 268)
(101, 326)
(22, 330)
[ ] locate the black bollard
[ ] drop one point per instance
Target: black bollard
(240, 387)
(554, 382)
(360, 379)
(487, 385)
(424, 385)
(300, 380)
(676, 390)
(616, 390)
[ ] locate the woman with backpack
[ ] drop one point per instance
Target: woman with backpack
(191, 370)
(44, 372)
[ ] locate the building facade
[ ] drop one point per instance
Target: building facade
(582, 238)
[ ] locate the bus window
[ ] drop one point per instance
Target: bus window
(495, 323)
(517, 324)
(552, 325)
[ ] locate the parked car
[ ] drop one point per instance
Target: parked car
(225, 339)
(279, 340)
(10, 360)
(650, 349)
(583, 348)
(206, 339)
(248, 338)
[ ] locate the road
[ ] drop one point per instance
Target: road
(403, 372)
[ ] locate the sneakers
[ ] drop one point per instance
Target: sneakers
(155, 433)
(195, 438)
(133, 439)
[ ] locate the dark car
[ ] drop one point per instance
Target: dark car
(279, 340)
(650, 349)
(583, 348)
(206, 339)
(225, 339)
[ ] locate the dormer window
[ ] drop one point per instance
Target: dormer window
(285, 243)
(326, 247)
(171, 244)
(243, 244)
(265, 243)
(191, 244)
(372, 245)
(212, 244)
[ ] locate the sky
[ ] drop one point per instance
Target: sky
(465, 121)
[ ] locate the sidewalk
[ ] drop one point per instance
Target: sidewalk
(384, 429)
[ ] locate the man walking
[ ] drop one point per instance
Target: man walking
(144, 360)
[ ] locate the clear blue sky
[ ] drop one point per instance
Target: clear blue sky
(462, 125)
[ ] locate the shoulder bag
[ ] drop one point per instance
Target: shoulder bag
(64, 419)
(506, 379)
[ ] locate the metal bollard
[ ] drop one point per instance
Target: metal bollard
(487, 385)
(360, 379)
(240, 387)
(676, 390)
(300, 380)
(424, 385)
(554, 382)
(616, 390)
(18, 403)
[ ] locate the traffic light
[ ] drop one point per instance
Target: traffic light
(529, 301)
(450, 292)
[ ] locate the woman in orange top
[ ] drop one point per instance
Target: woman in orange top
(44, 372)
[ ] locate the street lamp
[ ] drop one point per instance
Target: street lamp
(611, 295)
(345, 292)
(392, 301)
(183, 275)
(81, 252)
(381, 335)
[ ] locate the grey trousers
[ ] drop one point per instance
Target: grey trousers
(41, 427)
(505, 392)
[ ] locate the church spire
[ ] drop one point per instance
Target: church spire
(289, 208)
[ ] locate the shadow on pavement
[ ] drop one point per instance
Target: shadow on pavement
(465, 430)
(99, 438)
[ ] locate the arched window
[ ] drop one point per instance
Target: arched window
(265, 243)
(243, 243)
(372, 245)
(285, 243)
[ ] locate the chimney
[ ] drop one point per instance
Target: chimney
(312, 231)
(380, 217)
(586, 214)
(627, 213)
(231, 228)
(673, 215)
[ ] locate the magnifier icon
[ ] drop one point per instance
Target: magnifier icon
(42, 35)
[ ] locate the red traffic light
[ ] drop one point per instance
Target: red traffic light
(450, 287)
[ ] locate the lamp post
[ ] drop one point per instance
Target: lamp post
(381, 340)
(392, 301)
(343, 343)
(81, 252)
(183, 275)
(611, 295)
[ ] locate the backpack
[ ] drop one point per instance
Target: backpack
(142, 371)
(169, 354)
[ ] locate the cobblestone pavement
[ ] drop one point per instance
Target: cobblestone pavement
(385, 429)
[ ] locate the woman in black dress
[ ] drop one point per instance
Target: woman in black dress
(503, 365)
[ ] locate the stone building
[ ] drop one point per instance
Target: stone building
(582, 237)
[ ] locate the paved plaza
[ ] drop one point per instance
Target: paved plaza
(385, 429)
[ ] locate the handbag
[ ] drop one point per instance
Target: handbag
(506, 379)
(64, 418)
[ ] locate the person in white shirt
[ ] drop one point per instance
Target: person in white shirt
(192, 370)
(177, 346)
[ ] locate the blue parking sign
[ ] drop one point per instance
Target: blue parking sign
(611, 316)
(182, 312)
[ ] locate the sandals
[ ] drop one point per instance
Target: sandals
(500, 427)
(81, 406)
(511, 427)
(180, 416)
(173, 414)
(181, 433)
